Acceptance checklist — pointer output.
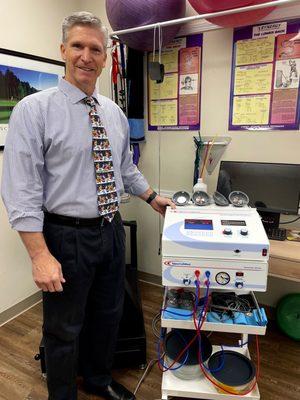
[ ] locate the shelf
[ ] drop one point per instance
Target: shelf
(216, 327)
(202, 388)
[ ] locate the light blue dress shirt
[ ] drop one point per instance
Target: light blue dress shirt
(48, 160)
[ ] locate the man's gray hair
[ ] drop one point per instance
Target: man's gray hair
(83, 18)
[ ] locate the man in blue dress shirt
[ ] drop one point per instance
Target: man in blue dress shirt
(49, 189)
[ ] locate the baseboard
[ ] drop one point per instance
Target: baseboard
(20, 307)
(149, 278)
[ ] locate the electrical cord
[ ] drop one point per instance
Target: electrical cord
(230, 302)
(203, 367)
(228, 391)
(169, 368)
(150, 364)
(157, 334)
(198, 326)
(289, 222)
(160, 343)
(155, 321)
(147, 370)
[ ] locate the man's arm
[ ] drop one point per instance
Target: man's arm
(22, 190)
(46, 270)
(158, 203)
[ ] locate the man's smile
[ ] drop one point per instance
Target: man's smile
(86, 69)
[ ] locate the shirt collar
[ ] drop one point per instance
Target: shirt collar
(74, 93)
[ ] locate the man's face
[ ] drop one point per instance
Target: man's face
(84, 55)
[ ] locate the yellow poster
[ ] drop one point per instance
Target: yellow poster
(169, 58)
(251, 110)
(165, 90)
(255, 51)
(163, 113)
(253, 79)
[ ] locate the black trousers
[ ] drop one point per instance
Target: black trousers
(84, 318)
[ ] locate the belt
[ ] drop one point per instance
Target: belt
(75, 221)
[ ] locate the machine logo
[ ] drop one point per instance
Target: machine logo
(177, 263)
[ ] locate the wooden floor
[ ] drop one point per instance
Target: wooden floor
(20, 377)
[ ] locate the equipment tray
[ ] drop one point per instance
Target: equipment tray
(209, 326)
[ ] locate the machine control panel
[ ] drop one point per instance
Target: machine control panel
(214, 232)
(221, 274)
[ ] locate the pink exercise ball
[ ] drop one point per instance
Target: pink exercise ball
(123, 14)
(233, 20)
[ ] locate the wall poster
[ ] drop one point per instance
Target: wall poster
(174, 104)
(22, 74)
(265, 90)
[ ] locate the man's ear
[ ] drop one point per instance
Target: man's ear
(104, 60)
(63, 51)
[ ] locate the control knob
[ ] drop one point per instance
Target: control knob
(227, 231)
(186, 281)
(244, 232)
(239, 285)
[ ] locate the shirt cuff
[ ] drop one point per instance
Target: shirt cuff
(28, 222)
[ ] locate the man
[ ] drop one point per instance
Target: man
(52, 198)
(187, 83)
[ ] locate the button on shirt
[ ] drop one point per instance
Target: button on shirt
(48, 160)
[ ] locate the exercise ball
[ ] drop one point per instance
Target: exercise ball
(123, 14)
(288, 315)
(233, 20)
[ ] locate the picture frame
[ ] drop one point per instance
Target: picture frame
(22, 74)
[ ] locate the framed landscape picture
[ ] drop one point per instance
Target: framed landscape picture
(23, 74)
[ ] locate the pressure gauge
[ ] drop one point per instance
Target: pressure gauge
(222, 278)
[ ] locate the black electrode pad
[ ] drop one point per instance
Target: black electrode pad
(156, 71)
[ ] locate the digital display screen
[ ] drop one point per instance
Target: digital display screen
(200, 224)
(232, 222)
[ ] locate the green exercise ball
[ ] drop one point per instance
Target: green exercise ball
(288, 315)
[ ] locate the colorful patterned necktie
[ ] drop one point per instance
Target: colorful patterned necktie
(104, 171)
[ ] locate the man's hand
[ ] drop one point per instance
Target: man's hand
(47, 272)
(160, 203)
